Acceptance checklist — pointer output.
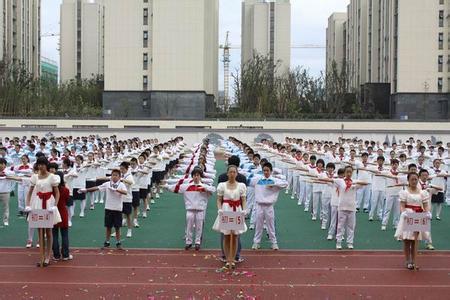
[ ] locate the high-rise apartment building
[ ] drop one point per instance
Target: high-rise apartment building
(82, 37)
(20, 34)
(266, 30)
(398, 51)
(336, 40)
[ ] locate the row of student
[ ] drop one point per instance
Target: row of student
(147, 170)
(326, 197)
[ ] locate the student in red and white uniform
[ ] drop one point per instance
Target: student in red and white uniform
(23, 170)
(196, 195)
(317, 198)
(334, 202)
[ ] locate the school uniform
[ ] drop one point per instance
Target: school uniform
(378, 194)
(5, 190)
(196, 201)
(392, 199)
(113, 203)
(265, 199)
(128, 198)
(22, 188)
(346, 211)
(334, 203)
(363, 196)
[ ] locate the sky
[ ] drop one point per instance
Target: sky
(309, 22)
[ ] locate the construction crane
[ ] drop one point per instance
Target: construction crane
(226, 70)
(227, 59)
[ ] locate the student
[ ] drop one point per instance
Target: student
(63, 226)
(378, 188)
(115, 192)
(79, 183)
(364, 194)
(135, 190)
(412, 199)
(44, 194)
(5, 189)
(346, 207)
(334, 203)
(196, 195)
(326, 196)
(438, 177)
(267, 189)
(317, 189)
(392, 191)
(128, 180)
(23, 170)
(231, 196)
(425, 186)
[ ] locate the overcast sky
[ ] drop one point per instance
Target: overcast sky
(309, 21)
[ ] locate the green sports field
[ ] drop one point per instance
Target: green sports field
(164, 228)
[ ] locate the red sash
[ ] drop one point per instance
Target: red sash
(234, 204)
(44, 197)
(415, 208)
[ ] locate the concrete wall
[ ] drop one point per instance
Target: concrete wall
(420, 106)
(155, 105)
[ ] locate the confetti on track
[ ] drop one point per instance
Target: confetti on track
(172, 274)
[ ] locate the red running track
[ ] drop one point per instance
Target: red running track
(173, 274)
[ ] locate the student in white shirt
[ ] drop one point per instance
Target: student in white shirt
(115, 191)
(5, 189)
(364, 194)
(334, 202)
(378, 189)
(267, 189)
(438, 177)
(392, 191)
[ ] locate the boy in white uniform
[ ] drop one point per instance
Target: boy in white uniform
(196, 195)
(267, 189)
(438, 177)
(392, 195)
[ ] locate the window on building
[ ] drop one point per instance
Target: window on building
(145, 61)
(145, 39)
(145, 103)
(441, 2)
(441, 18)
(441, 40)
(145, 16)
(145, 1)
(440, 63)
(440, 84)
(145, 82)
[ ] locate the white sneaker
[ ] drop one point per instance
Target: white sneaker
(383, 228)
(92, 207)
(102, 201)
(338, 246)
(256, 246)
(135, 223)
(292, 197)
(128, 233)
(96, 201)
(157, 196)
(306, 210)
(314, 218)
(124, 222)
(82, 214)
(329, 237)
(350, 246)
(144, 214)
(323, 227)
(70, 257)
(148, 207)
(252, 227)
(70, 223)
(29, 244)
(113, 234)
(152, 201)
(275, 247)
(6, 223)
(287, 191)
(299, 203)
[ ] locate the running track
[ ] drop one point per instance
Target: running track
(173, 274)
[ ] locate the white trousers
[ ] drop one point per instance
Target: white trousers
(265, 212)
(346, 224)
(308, 195)
(194, 221)
(325, 210)
(21, 196)
(333, 221)
(317, 201)
(363, 197)
(392, 206)
(376, 203)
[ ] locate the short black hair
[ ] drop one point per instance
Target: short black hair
(53, 166)
(268, 165)
(42, 161)
(234, 160)
(196, 170)
(3, 161)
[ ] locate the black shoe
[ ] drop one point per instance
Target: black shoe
(106, 244)
(238, 260)
(187, 247)
(119, 246)
(197, 247)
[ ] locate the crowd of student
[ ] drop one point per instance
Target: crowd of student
(331, 180)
